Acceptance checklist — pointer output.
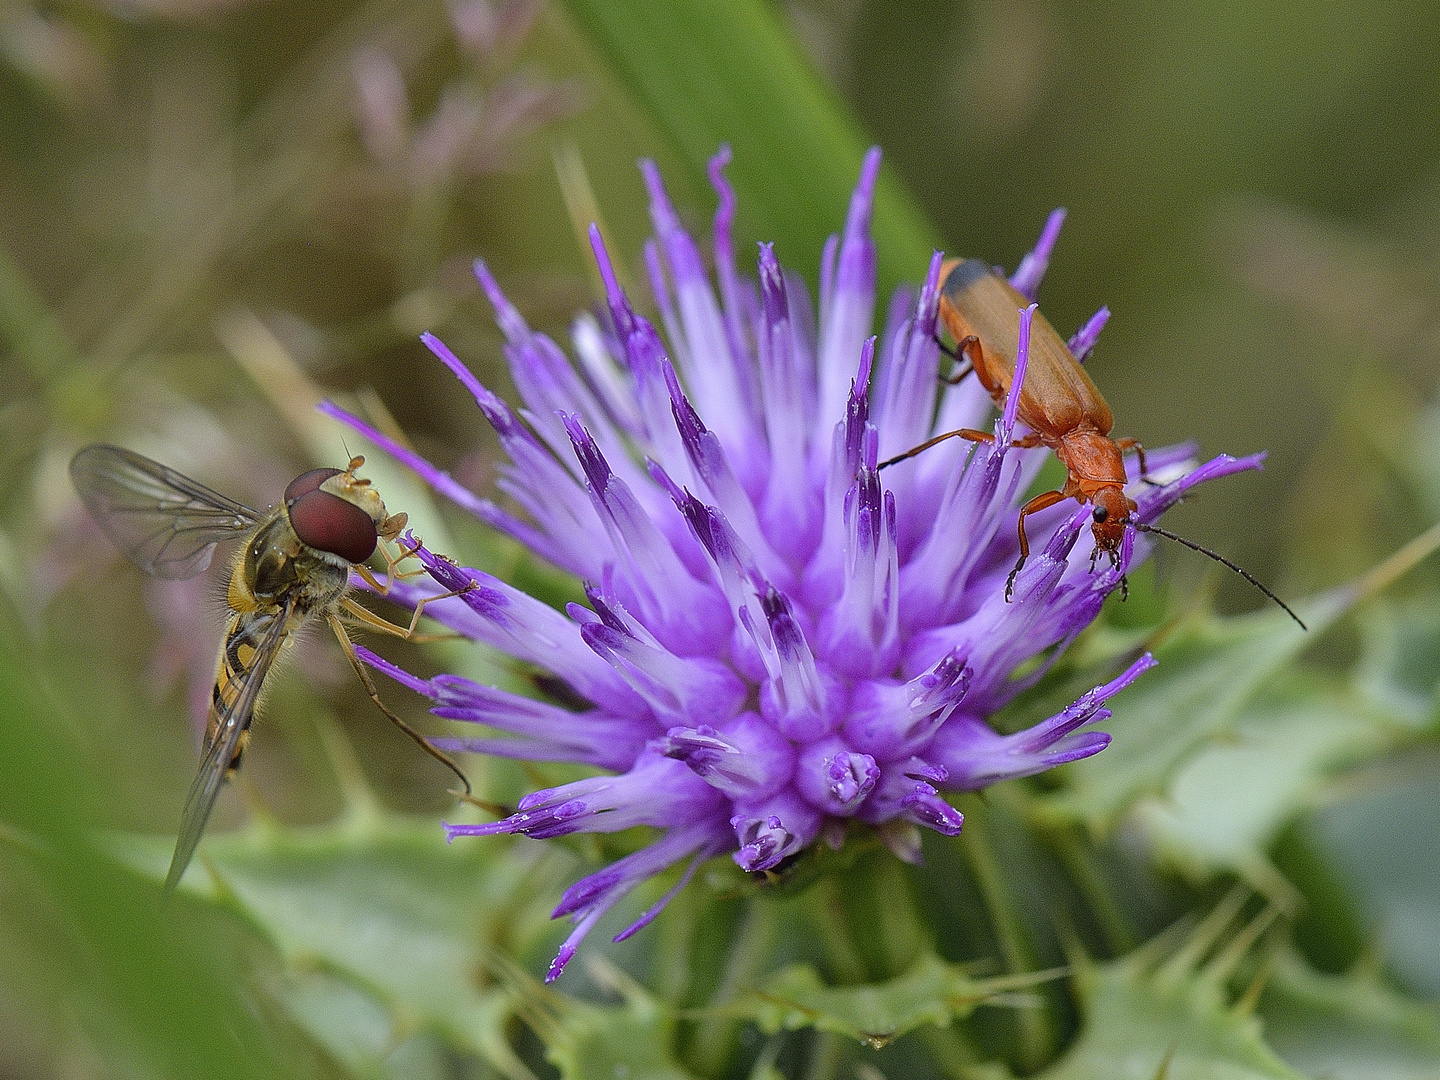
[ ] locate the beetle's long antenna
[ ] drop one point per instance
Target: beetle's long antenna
(1224, 561)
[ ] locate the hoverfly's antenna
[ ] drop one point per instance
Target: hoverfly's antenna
(1223, 561)
(355, 460)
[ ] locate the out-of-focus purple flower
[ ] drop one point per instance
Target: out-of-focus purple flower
(778, 638)
(480, 121)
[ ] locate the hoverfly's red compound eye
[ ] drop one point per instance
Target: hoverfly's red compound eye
(329, 523)
(307, 482)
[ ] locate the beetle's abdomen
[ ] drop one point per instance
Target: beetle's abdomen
(1058, 396)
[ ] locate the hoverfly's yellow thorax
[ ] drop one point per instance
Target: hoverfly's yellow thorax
(239, 594)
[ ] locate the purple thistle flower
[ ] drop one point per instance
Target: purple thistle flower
(779, 637)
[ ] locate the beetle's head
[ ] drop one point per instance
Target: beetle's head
(1108, 519)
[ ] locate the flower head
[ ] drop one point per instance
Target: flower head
(778, 636)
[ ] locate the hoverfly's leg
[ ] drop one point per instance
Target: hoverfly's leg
(368, 576)
(363, 616)
(1129, 443)
(405, 553)
(385, 626)
(339, 628)
(959, 433)
(498, 809)
(961, 355)
(420, 607)
(1039, 502)
(391, 574)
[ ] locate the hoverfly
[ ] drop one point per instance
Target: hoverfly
(295, 564)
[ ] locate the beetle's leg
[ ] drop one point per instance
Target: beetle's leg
(946, 349)
(1114, 562)
(958, 433)
(963, 358)
(1028, 442)
(957, 376)
(1129, 443)
(1039, 502)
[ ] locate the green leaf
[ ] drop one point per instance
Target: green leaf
(1227, 804)
(931, 992)
(604, 1043)
(1148, 1017)
(1399, 666)
(709, 73)
(349, 1022)
(1224, 807)
(1380, 840)
(100, 970)
(1205, 678)
(409, 926)
(1350, 1027)
(631, 1041)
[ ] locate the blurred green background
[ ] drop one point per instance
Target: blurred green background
(212, 211)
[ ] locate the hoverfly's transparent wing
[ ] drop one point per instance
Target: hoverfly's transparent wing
(241, 686)
(165, 522)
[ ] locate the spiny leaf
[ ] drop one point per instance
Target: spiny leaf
(931, 992)
(1399, 667)
(1204, 679)
(631, 1040)
(385, 906)
(1350, 1027)
(1225, 806)
(1144, 1022)
(1380, 842)
(98, 968)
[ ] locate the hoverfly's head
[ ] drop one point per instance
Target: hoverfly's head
(1108, 519)
(336, 512)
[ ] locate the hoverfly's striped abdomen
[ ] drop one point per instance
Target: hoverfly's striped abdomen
(243, 635)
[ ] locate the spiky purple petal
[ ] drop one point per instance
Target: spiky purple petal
(779, 636)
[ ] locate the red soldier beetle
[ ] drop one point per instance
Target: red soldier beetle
(1059, 403)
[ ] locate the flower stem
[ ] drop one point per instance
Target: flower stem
(1079, 857)
(750, 952)
(1036, 1042)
